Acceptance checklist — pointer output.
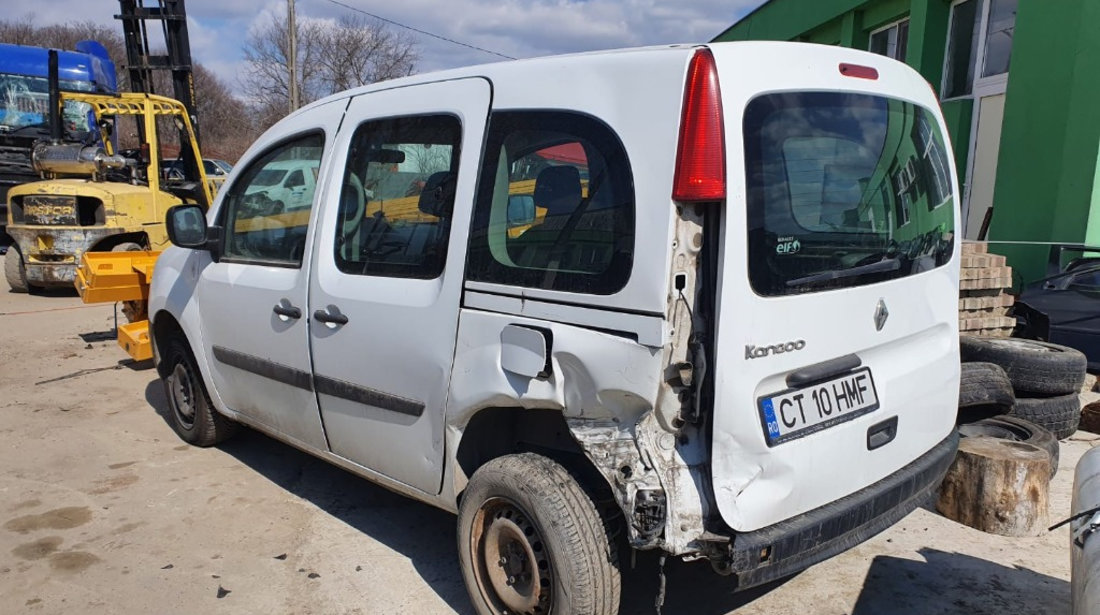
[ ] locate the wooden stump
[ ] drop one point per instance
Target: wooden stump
(997, 486)
(1090, 418)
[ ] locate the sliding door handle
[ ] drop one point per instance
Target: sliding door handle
(289, 311)
(330, 318)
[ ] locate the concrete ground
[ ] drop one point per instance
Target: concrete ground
(104, 510)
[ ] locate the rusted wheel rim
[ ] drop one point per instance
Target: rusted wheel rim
(182, 395)
(512, 564)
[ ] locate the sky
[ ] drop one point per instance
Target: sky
(516, 28)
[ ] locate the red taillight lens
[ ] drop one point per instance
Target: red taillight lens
(701, 155)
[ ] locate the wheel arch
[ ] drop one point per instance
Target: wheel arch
(165, 325)
(494, 432)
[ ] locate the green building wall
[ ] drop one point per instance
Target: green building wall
(1047, 170)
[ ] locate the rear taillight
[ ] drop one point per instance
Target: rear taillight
(701, 155)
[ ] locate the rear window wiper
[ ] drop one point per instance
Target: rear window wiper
(884, 265)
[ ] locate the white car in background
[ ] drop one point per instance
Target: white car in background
(287, 185)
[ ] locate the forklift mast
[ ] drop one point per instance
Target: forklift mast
(141, 63)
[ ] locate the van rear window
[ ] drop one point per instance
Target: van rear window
(843, 190)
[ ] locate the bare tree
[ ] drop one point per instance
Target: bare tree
(332, 56)
(354, 52)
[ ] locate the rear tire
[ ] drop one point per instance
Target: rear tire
(192, 415)
(1032, 366)
(1061, 414)
(531, 541)
(128, 246)
(985, 384)
(1015, 429)
(15, 271)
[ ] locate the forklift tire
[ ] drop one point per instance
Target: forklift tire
(191, 412)
(15, 271)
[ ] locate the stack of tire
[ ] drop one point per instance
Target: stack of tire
(1022, 390)
(1045, 378)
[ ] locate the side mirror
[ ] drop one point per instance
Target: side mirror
(187, 226)
(521, 210)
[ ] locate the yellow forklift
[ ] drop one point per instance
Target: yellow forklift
(96, 220)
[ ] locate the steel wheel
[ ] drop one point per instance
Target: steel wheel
(512, 563)
(182, 397)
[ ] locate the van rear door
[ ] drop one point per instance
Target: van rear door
(837, 336)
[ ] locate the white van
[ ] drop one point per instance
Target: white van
(702, 296)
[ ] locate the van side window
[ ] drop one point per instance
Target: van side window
(555, 205)
(397, 197)
(265, 219)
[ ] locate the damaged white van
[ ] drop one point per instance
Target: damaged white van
(702, 297)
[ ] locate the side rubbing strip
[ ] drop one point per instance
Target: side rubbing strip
(368, 397)
(263, 367)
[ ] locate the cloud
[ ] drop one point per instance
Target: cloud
(516, 28)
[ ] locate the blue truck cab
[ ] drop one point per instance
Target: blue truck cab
(24, 103)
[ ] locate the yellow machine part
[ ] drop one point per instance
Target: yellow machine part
(134, 339)
(110, 277)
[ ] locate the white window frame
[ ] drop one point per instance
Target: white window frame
(979, 89)
(885, 27)
(987, 86)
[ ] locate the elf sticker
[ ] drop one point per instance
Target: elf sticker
(787, 245)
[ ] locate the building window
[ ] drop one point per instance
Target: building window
(962, 48)
(892, 40)
(989, 22)
(998, 37)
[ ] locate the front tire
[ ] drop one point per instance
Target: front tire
(192, 415)
(531, 542)
(15, 271)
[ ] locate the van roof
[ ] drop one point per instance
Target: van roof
(495, 70)
(492, 69)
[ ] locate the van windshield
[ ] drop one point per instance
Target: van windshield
(843, 190)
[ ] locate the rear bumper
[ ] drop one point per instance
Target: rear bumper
(787, 547)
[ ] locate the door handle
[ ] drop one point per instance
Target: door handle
(287, 310)
(330, 318)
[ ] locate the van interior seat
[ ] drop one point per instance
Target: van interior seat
(558, 191)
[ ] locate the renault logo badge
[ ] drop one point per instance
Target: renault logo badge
(881, 314)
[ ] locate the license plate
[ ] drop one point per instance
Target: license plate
(799, 412)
